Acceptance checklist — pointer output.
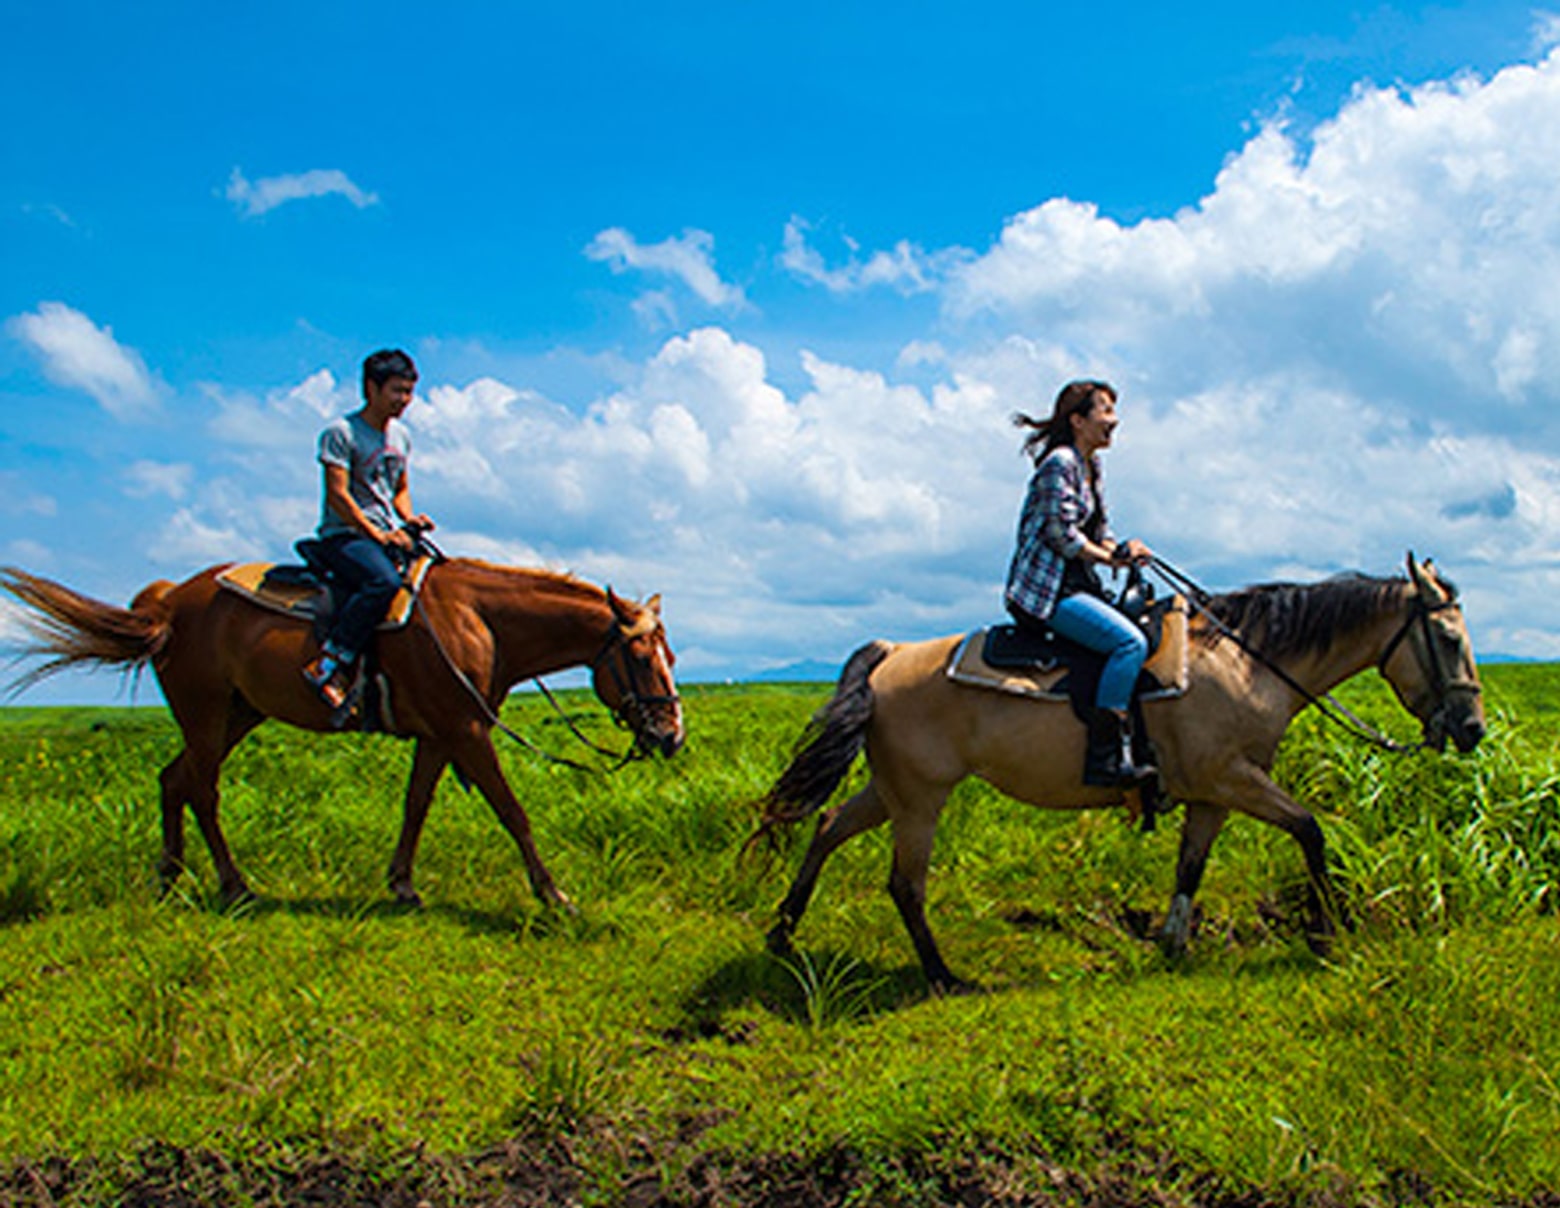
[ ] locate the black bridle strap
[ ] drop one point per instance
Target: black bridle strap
(625, 678)
(492, 718)
(1326, 704)
(1441, 682)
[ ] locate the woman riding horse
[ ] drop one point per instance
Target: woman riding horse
(1257, 658)
(1052, 582)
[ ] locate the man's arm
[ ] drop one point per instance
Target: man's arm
(403, 507)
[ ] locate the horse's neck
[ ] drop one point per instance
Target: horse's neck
(1350, 653)
(540, 623)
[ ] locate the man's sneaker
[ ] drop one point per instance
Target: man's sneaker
(329, 679)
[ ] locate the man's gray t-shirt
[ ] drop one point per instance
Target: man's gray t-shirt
(375, 463)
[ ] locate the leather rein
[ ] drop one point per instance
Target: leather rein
(1420, 612)
(633, 710)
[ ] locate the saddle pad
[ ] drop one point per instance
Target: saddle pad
(301, 599)
(1166, 669)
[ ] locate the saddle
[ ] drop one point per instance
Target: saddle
(308, 593)
(1047, 667)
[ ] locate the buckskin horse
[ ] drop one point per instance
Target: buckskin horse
(1256, 659)
(226, 664)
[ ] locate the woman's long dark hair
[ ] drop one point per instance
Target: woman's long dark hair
(1075, 398)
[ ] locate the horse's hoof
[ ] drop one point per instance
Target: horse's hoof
(955, 987)
(562, 903)
(1177, 929)
(1172, 948)
(778, 942)
(236, 897)
(408, 897)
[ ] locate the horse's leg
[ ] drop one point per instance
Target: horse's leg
(907, 886)
(182, 784)
(174, 797)
(478, 761)
(1199, 829)
(1263, 799)
(428, 763)
(859, 813)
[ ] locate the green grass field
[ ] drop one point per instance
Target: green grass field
(164, 1051)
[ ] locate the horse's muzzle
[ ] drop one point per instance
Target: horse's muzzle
(660, 731)
(1468, 734)
(667, 744)
(1463, 726)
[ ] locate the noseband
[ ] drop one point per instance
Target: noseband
(634, 705)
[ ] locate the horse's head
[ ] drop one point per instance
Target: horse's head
(1429, 663)
(633, 675)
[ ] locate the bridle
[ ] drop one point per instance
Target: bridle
(626, 671)
(1443, 685)
(632, 713)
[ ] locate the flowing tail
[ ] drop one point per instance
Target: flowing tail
(68, 629)
(828, 747)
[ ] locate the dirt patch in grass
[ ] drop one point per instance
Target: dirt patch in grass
(519, 1175)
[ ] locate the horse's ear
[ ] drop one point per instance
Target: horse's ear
(618, 610)
(1423, 577)
(653, 604)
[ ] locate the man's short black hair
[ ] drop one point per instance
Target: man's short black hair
(379, 367)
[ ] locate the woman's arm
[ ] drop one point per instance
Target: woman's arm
(1062, 489)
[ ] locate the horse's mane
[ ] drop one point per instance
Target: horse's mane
(1281, 619)
(543, 579)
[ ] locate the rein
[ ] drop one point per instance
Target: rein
(1326, 704)
(631, 698)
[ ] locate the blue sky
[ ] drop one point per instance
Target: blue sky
(732, 302)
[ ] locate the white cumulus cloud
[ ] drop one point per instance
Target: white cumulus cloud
(148, 478)
(689, 258)
(1410, 247)
(906, 268)
(253, 198)
(79, 354)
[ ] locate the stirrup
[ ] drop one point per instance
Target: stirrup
(326, 674)
(1108, 762)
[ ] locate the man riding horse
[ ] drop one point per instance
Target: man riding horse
(365, 518)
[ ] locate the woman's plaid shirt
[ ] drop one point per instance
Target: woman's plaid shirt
(1050, 529)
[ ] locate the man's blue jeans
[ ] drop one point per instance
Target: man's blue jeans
(371, 578)
(1091, 622)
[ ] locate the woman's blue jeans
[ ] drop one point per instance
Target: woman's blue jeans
(1091, 622)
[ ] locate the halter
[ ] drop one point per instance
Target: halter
(1443, 685)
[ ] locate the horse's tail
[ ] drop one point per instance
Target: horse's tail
(828, 747)
(68, 629)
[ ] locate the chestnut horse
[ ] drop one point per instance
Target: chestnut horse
(1257, 658)
(226, 664)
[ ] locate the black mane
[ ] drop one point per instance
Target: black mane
(1280, 619)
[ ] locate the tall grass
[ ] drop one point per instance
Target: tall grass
(321, 1019)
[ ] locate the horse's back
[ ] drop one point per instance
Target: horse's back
(931, 731)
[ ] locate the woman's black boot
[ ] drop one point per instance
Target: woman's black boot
(1108, 762)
